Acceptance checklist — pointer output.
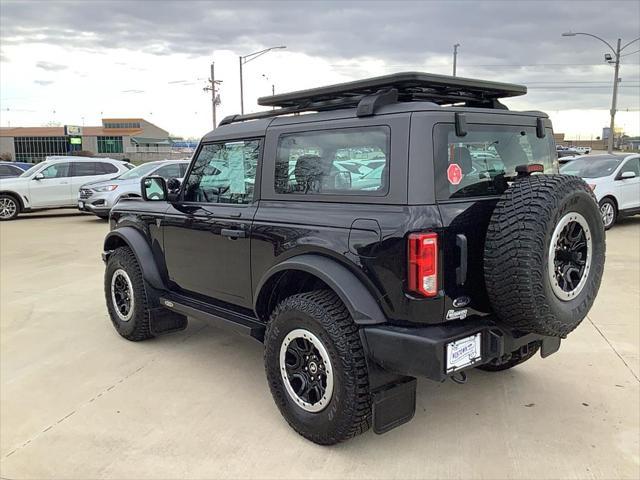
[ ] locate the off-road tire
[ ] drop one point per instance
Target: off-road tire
(348, 413)
(10, 199)
(517, 251)
(516, 359)
(615, 212)
(138, 327)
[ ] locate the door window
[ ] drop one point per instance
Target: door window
(169, 171)
(58, 170)
(347, 161)
(85, 169)
(104, 168)
(9, 170)
(632, 165)
(224, 173)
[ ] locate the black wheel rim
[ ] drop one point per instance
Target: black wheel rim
(306, 370)
(570, 256)
(122, 295)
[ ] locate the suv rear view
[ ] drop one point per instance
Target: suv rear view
(411, 227)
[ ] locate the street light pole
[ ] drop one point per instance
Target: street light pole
(246, 59)
(616, 79)
(455, 58)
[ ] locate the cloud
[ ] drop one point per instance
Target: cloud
(43, 83)
(51, 67)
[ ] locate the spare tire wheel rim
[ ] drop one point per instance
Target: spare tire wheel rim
(122, 295)
(570, 255)
(607, 213)
(306, 370)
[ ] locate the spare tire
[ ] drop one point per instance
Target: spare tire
(544, 254)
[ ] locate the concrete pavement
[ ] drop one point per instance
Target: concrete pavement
(78, 401)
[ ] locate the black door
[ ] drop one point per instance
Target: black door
(207, 232)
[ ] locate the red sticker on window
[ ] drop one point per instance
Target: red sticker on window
(454, 174)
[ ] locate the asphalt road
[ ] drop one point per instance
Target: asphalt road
(78, 401)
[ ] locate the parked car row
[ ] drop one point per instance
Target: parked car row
(59, 182)
(615, 181)
(98, 197)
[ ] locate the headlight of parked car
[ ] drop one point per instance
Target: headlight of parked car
(106, 188)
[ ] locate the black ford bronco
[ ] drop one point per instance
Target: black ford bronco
(366, 233)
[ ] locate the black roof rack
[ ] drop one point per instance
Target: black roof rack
(369, 94)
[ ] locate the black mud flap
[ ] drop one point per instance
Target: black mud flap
(394, 405)
(165, 321)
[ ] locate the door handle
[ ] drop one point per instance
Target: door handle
(233, 234)
(461, 271)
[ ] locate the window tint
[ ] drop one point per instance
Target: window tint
(169, 171)
(85, 169)
(58, 170)
(7, 170)
(479, 163)
(349, 161)
(224, 173)
(106, 168)
(632, 165)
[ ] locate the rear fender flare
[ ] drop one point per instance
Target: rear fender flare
(141, 249)
(362, 305)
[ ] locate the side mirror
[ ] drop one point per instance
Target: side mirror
(154, 189)
(628, 174)
(39, 176)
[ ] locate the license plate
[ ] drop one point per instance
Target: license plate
(80, 204)
(464, 352)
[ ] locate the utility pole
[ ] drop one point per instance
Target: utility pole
(616, 79)
(614, 99)
(215, 98)
(455, 58)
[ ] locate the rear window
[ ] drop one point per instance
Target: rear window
(479, 163)
(340, 162)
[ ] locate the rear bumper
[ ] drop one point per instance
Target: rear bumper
(421, 352)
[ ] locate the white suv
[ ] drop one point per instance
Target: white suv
(54, 183)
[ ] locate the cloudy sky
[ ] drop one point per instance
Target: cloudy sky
(75, 62)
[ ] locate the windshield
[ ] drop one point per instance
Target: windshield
(139, 171)
(591, 167)
(30, 171)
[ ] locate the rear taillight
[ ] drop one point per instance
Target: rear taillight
(423, 264)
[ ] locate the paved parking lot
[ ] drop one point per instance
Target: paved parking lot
(78, 401)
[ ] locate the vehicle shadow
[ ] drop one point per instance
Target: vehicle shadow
(438, 405)
(48, 214)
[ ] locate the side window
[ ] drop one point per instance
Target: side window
(632, 165)
(183, 169)
(58, 170)
(85, 169)
(6, 170)
(348, 161)
(169, 171)
(224, 173)
(106, 168)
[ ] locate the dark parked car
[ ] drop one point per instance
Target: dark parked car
(13, 169)
(464, 248)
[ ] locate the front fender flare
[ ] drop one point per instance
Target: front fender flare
(141, 249)
(362, 305)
